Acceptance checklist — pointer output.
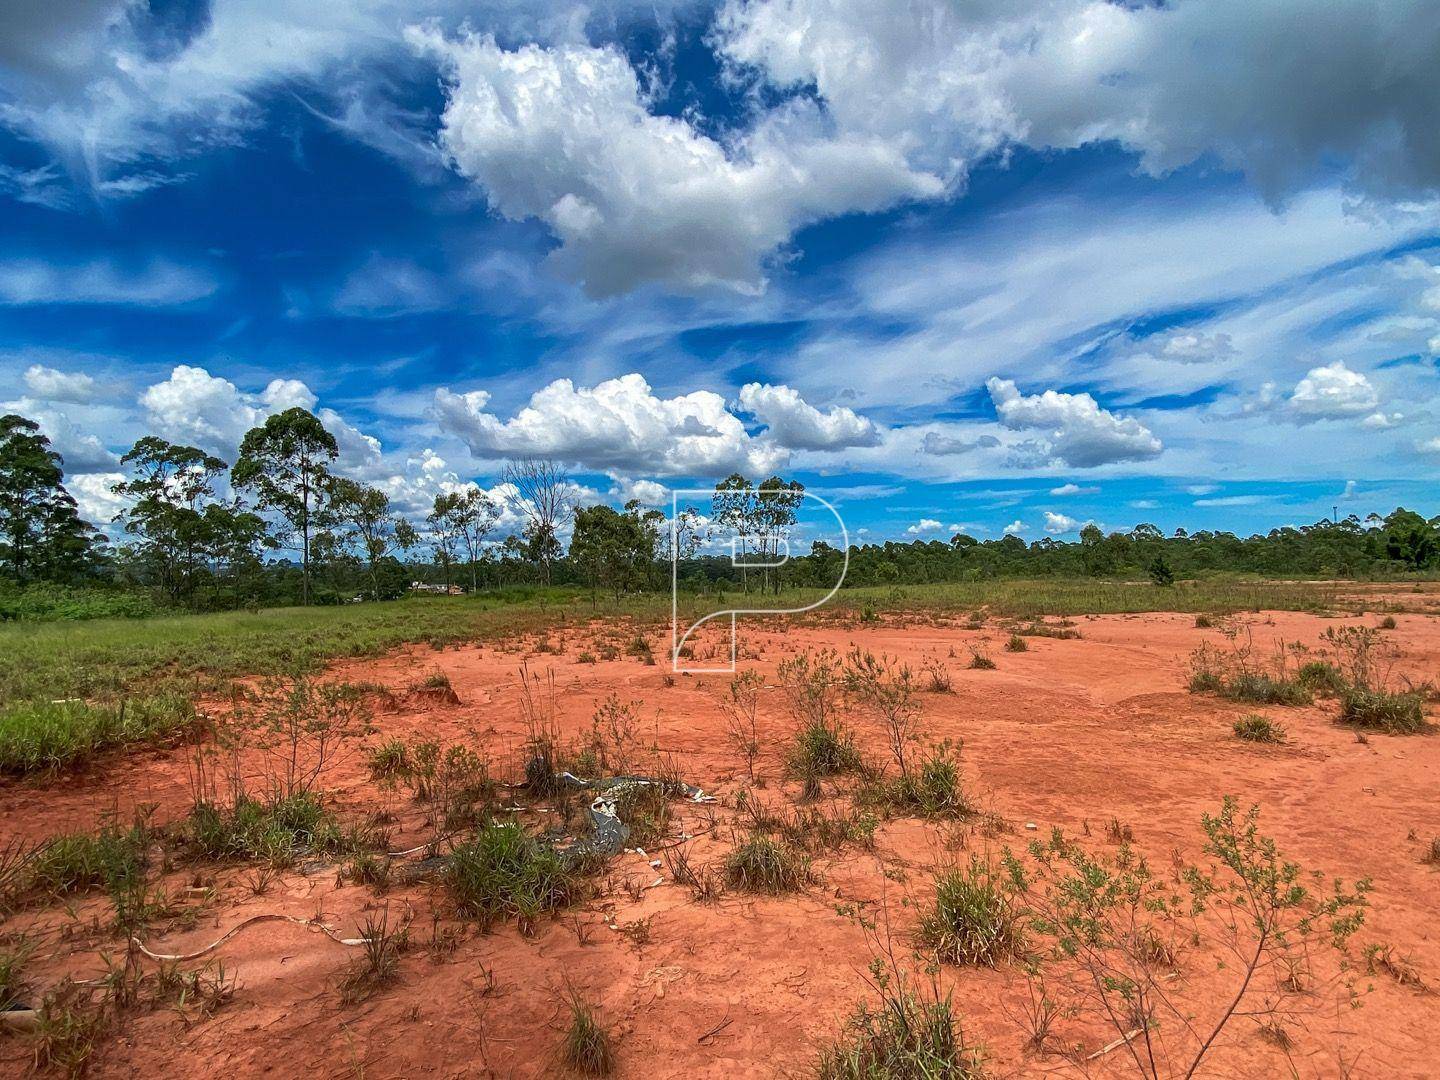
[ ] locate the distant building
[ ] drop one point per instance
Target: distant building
(439, 590)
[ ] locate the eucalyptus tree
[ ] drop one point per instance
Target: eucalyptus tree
(286, 463)
(543, 494)
(172, 532)
(42, 535)
(367, 514)
(470, 515)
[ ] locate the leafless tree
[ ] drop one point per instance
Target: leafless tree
(543, 494)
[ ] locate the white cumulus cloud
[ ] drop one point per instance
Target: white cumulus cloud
(48, 384)
(1076, 430)
(797, 425)
(619, 426)
(1332, 392)
(565, 135)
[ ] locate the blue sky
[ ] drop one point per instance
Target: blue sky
(996, 267)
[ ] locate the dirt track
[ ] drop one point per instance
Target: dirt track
(1071, 733)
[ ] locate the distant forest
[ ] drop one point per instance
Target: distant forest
(280, 527)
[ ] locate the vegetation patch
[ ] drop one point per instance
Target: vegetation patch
(502, 872)
(588, 1048)
(49, 736)
(902, 1036)
(71, 863)
(974, 920)
(931, 788)
(1256, 728)
(765, 865)
(1383, 710)
(278, 830)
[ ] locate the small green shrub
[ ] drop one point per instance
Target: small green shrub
(1017, 644)
(980, 661)
(1256, 728)
(502, 871)
(974, 919)
(904, 1037)
(588, 1048)
(1383, 710)
(824, 748)
(1320, 677)
(389, 762)
(761, 864)
(278, 830)
(1259, 689)
(931, 789)
(79, 862)
(378, 966)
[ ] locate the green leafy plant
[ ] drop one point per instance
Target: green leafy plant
(1256, 728)
(974, 919)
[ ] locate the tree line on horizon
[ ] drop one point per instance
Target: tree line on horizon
(187, 543)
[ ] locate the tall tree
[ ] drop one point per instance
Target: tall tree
(471, 515)
(775, 503)
(41, 533)
(444, 533)
(614, 551)
(366, 511)
(733, 508)
(171, 536)
(286, 463)
(543, 494)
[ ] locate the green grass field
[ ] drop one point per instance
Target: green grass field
(92, 666)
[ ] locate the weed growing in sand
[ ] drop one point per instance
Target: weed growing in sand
(278, 830)
(50, 736)
(1368, 699)
(542, 732)
(303, 728)
(980, 660)
(455, 779)
(1432, 852)
(765, 865)
(614, 738)
(813, 682)
(887, 691)
(1383, 958)
(1114, 931)
(937, 675)
(12, 980)
(740, 707)
(974, 919)
(1239, 674)
(502, 872)
(704, 884)
(902, 1035)
(1253, 727)
(1016, 643)
(113, 859)
(378, 965)
(1384, 710)
(69, 1027)
(588, 1048)
(1321, 678)
(932, 789)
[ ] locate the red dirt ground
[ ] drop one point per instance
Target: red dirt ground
(1071, 733)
